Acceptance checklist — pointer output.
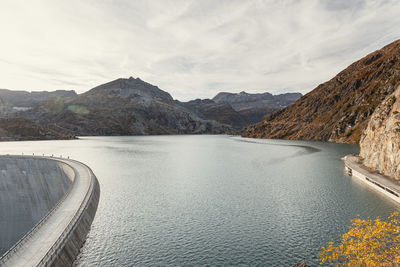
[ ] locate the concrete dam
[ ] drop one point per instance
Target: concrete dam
(47, 206)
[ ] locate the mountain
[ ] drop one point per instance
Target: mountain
(134, 107)
(243, 100)
(240, 110)
(337, 110)
(24, 99)
(14, 128)
(123, 107)
(221, 112)
(129, 88)
(379, 145)
(254, 107)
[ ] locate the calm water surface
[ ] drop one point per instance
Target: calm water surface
(214, 200)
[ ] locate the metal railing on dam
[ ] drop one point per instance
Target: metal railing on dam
(49, 243)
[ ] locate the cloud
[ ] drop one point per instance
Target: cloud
(189, 48)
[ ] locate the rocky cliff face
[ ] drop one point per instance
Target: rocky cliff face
(339, 109)
(380, 142)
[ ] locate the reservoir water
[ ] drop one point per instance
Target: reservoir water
(214, 200)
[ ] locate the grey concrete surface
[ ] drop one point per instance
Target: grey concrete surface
(381, 183)
(64, 231)
(29, 189)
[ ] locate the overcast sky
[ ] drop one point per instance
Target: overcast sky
(192, 49)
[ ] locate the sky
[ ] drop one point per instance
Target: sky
(191, 49)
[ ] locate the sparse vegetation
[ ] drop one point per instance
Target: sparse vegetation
(78, 109)
(395, 80)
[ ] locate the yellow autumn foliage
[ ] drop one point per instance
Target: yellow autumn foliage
(367, 243)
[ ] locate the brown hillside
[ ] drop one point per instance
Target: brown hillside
(23, 129)
(337, 110)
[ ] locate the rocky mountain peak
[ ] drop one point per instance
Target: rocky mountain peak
(130, 88)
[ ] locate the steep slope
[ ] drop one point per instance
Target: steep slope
(339, 109)
(123, 107)
(380, 142)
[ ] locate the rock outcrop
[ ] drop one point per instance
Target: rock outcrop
(380, 142)
(337, 110)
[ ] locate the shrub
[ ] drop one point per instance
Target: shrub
(367, 243)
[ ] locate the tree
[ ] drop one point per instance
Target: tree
(367, 243)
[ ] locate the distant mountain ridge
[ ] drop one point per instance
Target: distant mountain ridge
(221, 112)
(29, 99)
(337, 110)
(254, 107)
(134, 107)
(243, 100)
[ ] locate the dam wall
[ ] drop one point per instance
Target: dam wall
(385, 185)
(29, 189)
(67, 250)
(67, 194)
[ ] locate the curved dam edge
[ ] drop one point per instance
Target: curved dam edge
(389, 187)
(58, 239)
(66, 253)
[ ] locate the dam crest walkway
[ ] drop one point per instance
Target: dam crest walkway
(39, 246)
